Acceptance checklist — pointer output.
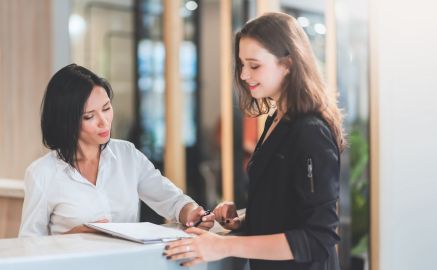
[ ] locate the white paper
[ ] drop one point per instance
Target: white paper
(143, 232)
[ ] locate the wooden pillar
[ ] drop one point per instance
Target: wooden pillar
(374, 135)
(174, 156)
(226, 100)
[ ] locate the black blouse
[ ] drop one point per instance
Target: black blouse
(293, 189)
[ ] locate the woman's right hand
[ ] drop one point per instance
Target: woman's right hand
(85, 229)
(226, 214)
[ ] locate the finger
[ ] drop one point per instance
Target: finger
(219, 212)
(182, 255)
(210, 217)
(230, 212)
(202, 211)
(178, 243)
(232, 220)
(222, 213)
(206, 225)
(178, 250)
(198, 210)
(235, 220)
(234, 223)
(194, 230)
(217, 208)
(218, 216)
(192, 262)
(195, 216)
(101, 221)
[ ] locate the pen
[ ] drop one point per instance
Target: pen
(207, 212)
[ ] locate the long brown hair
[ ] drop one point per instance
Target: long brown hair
(303, 89)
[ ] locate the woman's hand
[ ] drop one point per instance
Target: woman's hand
(226, 214)
(199, 214)
(204, 247)
(85, 229)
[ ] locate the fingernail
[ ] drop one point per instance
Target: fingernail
(168, 257)
(163, 254)
(227, 221)
(181, 264)
(166, 247)
(223, 219)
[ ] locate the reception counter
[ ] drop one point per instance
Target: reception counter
(92, 251)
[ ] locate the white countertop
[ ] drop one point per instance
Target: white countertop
(92, 251)
(11, 188)
(61, 245)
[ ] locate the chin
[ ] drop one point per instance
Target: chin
(257, 96)
(103, 141)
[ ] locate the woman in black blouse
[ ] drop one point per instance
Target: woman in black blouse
(291, 217)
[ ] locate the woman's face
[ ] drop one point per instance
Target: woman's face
(261, 70)
(96, 119)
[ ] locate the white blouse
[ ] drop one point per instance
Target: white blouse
(58, 198)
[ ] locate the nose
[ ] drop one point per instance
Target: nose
(103, 122)
(244, 75)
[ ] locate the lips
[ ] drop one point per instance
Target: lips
(253, 86)
(104, 134)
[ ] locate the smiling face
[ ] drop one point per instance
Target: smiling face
(97, 118)
(261, 70)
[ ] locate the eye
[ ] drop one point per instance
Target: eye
(107, 109)
(254, 66)
(87, 117)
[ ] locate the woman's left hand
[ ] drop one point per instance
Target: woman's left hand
(204, 247)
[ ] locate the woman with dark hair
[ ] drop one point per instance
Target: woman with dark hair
(88, 177)
(291, 218)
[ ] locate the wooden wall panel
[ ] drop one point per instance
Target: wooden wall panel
(25, 67)
(10, 216)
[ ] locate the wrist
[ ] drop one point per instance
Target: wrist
(227, 246)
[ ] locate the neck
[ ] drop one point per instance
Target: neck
(87, 152)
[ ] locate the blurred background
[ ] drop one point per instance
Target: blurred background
(170, 65)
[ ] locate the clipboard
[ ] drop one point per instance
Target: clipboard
(140, 232)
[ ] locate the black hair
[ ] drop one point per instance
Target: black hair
(62, 109)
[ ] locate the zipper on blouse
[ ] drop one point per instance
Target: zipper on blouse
(310, 173)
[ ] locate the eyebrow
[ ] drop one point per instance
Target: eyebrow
(249, 59)
(102, 107)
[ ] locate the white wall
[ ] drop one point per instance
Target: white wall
(407, 60)
(60, 38)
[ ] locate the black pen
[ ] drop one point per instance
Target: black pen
(207, 212)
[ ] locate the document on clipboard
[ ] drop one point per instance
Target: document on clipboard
(140, 232)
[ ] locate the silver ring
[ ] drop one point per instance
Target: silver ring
(187, 248)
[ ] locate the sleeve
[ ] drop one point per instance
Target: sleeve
(158, 192)
(317, 185)
(34, 216)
